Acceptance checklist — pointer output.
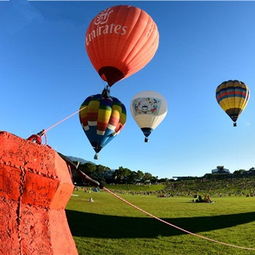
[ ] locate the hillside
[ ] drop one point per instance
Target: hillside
(214, 187)
(241, 182)
(218, 187)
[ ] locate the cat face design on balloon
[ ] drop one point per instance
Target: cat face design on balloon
(146, 105)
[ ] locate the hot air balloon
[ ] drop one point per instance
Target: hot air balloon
(120, 41)
(148, 109)
(102, 117)
(232, 96)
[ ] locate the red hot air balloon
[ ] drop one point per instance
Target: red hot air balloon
(120, 41)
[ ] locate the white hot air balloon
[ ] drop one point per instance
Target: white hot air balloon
(148, 109)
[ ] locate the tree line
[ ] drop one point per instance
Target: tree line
(105, 175)
(123, 175)
(241, 173)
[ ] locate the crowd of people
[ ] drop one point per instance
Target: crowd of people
(200, 199)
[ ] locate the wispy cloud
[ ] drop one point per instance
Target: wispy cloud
(24, 14)
(248, 124)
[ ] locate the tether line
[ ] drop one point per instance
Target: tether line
(174, 226)
(44, 131)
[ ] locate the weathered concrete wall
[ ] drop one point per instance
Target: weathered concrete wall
(35, 187)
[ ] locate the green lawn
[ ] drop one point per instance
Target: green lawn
(110, 227)
(137, 188)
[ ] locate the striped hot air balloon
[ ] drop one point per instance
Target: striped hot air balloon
(233, 96)
(120, 41)
(102, 118)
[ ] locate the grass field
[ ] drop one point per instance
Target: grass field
(137, 188)
(110, 227)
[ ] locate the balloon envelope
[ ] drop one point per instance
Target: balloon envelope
(101, 118)
(148, 109)
(120, 41)
(232, 96)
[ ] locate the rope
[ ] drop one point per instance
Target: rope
(174, 226)
(59, 122)
(44, 131)
(107, 91)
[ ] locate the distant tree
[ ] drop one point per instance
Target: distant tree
(154, 179)
(109, 176)
(140, 175)
(100, 173)
(147, 177)
(209, 176)
(122, 174)
(240, 172)
(97, 172)
(104, 175)
(251, 171)
(88, 168)
(161, 180)
(132, 178)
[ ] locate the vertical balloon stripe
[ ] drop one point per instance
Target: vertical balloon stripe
(115, 117)
(143, 44)
(124, 49)
(145, 52)
(114, 39)
(123, 115)
(137, 31)
(83, 114)
(119, 127)
(150, 49)
(93, 107)
(138, 65)
(245, 102)
(123, 118)
(92, 116)
(125, 17)
(117, 107)
(103, 118)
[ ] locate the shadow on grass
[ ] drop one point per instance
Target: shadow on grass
(107, 226)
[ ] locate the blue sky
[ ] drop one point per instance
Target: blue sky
(45, 75)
